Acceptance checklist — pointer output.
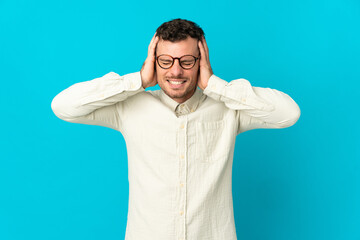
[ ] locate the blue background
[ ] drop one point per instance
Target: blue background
(60, 180)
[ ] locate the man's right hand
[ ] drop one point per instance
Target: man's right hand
(148, 74)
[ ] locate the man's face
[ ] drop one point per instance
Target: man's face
(178, 83)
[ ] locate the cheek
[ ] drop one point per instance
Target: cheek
(159, 72)
(194, 74)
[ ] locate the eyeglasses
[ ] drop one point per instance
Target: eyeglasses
(186, 61)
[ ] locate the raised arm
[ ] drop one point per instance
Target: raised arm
(98, 101)
(256, 107)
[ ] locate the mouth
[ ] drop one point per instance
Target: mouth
(176, 83)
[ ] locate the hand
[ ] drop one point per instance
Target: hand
(147, 73)
(205, 67)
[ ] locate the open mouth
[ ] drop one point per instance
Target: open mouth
(176, 82)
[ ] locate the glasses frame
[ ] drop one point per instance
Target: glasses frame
(173, 61)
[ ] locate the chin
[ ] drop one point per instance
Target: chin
(175, 94)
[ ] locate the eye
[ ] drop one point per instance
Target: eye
(187, 63)
(165, 63)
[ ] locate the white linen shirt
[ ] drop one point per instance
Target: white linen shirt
(179, 155)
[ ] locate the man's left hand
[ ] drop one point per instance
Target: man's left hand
(205, 67)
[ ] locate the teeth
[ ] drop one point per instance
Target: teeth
(176, 83)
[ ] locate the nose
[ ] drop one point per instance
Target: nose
(176, 69)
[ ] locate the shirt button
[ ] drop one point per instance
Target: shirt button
(182, 156)
(181, 184)
(243, 100)
(181, 212)
(132, 86)
(192, 110)
(182, 126)
(181, 106)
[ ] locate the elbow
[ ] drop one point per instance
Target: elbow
(292, 116)
(56, 107)
(59, 108)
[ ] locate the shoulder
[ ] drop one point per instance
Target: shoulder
(143, 96)
(154, 93)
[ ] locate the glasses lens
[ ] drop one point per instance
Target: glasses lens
(165, 61)
(187, 62)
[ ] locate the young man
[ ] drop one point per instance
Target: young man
(180, 139)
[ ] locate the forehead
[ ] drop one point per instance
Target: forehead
(188, 46)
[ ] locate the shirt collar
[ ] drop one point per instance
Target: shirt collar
(186, 107)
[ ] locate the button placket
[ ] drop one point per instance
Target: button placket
(182, 176)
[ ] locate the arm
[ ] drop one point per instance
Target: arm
(98, 101)
(256, 107)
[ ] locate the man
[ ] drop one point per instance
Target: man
(180, 139)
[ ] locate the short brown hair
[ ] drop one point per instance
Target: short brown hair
(179, 29)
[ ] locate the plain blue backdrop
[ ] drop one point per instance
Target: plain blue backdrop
(60, 180)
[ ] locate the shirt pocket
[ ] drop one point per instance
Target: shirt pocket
(209, 141)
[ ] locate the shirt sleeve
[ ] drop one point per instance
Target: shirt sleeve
(98, 101)
(255, 107)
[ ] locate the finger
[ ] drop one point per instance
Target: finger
(205, 47)
(152, 47)
(205, 43)
(202, 52)
(152, 40)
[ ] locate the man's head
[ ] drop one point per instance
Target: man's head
(178, 38)
(179, 29)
